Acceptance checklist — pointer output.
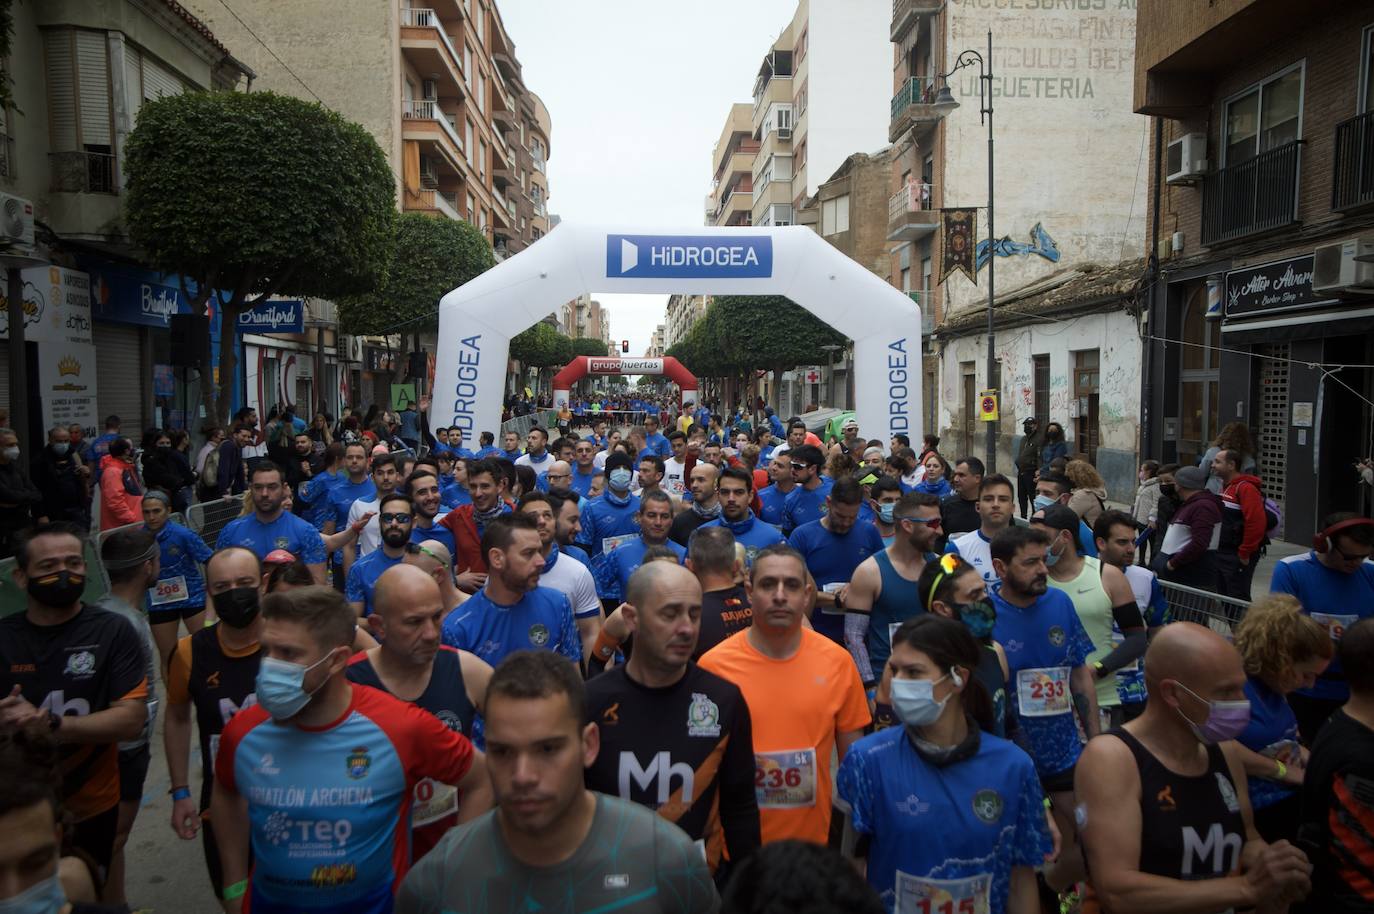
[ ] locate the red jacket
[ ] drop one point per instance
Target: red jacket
(468, 541)
(1244, 494)
(121, 495)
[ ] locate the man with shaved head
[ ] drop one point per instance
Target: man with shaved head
(433, 558)
(704, 506)
(699, 776)
(1163, 810)
(411, 664)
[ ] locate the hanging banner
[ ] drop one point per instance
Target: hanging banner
(987, 405)
(958, 228)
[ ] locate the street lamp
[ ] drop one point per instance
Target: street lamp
(945, 101)
(830, 350)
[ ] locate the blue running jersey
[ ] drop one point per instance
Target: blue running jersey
(542, 620)
(288, 532)
(182, 553)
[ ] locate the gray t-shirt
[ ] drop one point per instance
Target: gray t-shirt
(139, 620)
(633, 861)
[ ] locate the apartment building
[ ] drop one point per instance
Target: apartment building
(585, 317)
(682, 312)
(731, 201)
(1263, 179)
(1069, 209)
(440, 88)
(656, 347)
(97, 327)
(816, 99)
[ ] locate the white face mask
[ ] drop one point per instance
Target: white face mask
(914, 701)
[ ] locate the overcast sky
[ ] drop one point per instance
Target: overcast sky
(638, 91)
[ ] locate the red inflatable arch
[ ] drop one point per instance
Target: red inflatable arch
(585, 365)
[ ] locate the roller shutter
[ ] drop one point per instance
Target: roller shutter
(119, 380)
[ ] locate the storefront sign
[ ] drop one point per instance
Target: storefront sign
(57, 306)
(66, 384)
(274, 317)
(1271, 287)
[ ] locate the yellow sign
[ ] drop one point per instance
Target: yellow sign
(987, 405)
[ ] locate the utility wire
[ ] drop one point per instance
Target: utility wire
(269, 50)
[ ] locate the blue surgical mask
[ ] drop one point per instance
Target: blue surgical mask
(1052, 558)
(61, 448)
(885, 512)
(620, 479)
(280, 686)
(45, 897)
(914, 701)
(1042, 502)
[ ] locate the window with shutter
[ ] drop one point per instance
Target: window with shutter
(158, 80)
(93, 87)
(133, 77)
(61, 90)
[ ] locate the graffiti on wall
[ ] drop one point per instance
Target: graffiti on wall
(1040, 244)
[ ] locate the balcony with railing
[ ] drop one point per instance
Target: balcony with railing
(423, 120)
(83, 172)
(923, 299)
(913, 107)
(433, 201)
(1353, 184)
(905, 14)
(911, 212)
(428, 45)
(1251, 197)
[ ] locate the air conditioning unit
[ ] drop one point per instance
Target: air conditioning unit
(16, 221)
(1336, 269)
(429, 88)
(784, 133)
(1186, 160)
(429, 176)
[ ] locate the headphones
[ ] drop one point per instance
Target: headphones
(956, 678)
(1322, 541)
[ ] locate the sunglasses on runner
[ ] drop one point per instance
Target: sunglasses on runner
(400, 518)
(417, 549)
(928, 521)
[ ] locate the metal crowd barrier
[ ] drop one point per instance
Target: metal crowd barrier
(521, 425)
(1188, 604)
(207, 518)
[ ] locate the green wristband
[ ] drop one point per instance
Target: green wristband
(236, 890)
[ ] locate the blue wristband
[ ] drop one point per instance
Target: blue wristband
(181, 793)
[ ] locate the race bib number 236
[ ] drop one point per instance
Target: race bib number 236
(785, 780)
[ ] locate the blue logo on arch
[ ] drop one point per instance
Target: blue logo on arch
(689, 256)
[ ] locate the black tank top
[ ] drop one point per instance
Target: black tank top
(220, 685)
(446, 696)
(1191, 827)
(989, 673)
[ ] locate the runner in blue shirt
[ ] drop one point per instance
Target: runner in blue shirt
(614, 513)
(584, 467)
(773, 499)
(653, 440)
(833, 547)
(954, 816)
(735, 489)
(1335, 585)
(313, 493)
(180, 589)
(356, 484)
(455, 444)
(598, 436)
(1047, 651)
(396, 518)
(510, 449)
(807, 502)
(626, 555)
(512, 612)
(271, 527)
(488, 448)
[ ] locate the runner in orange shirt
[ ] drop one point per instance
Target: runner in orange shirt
(804, 696)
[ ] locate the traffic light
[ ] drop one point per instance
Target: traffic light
(624, 345)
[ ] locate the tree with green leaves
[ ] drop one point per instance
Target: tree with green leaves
(586, 345)
(250, 195)
(770, 332)
(431, 257)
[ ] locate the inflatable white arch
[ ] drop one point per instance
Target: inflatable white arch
(478, 319)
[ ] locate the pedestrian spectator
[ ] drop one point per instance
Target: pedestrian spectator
(63, 481)
(1283, 650)
(121, 494)
(98, 447)
(1053, 447)
(1243, 523)
(230, 475)
(320, 431)
(19, 497)
(1335, 584)
(1164, 811)
(1028, 462)
(1234, 436)
(1146, 508)
(1164, 509)
(959, 509)
(1334, 799)
(930, 444)
(936, 481)
(408, 427)
(1055, 487)
(161, 470)
(1188, 553)
(1088, 497)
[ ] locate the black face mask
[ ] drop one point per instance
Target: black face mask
(58, 590)
(237, 608)
(1168, 489)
